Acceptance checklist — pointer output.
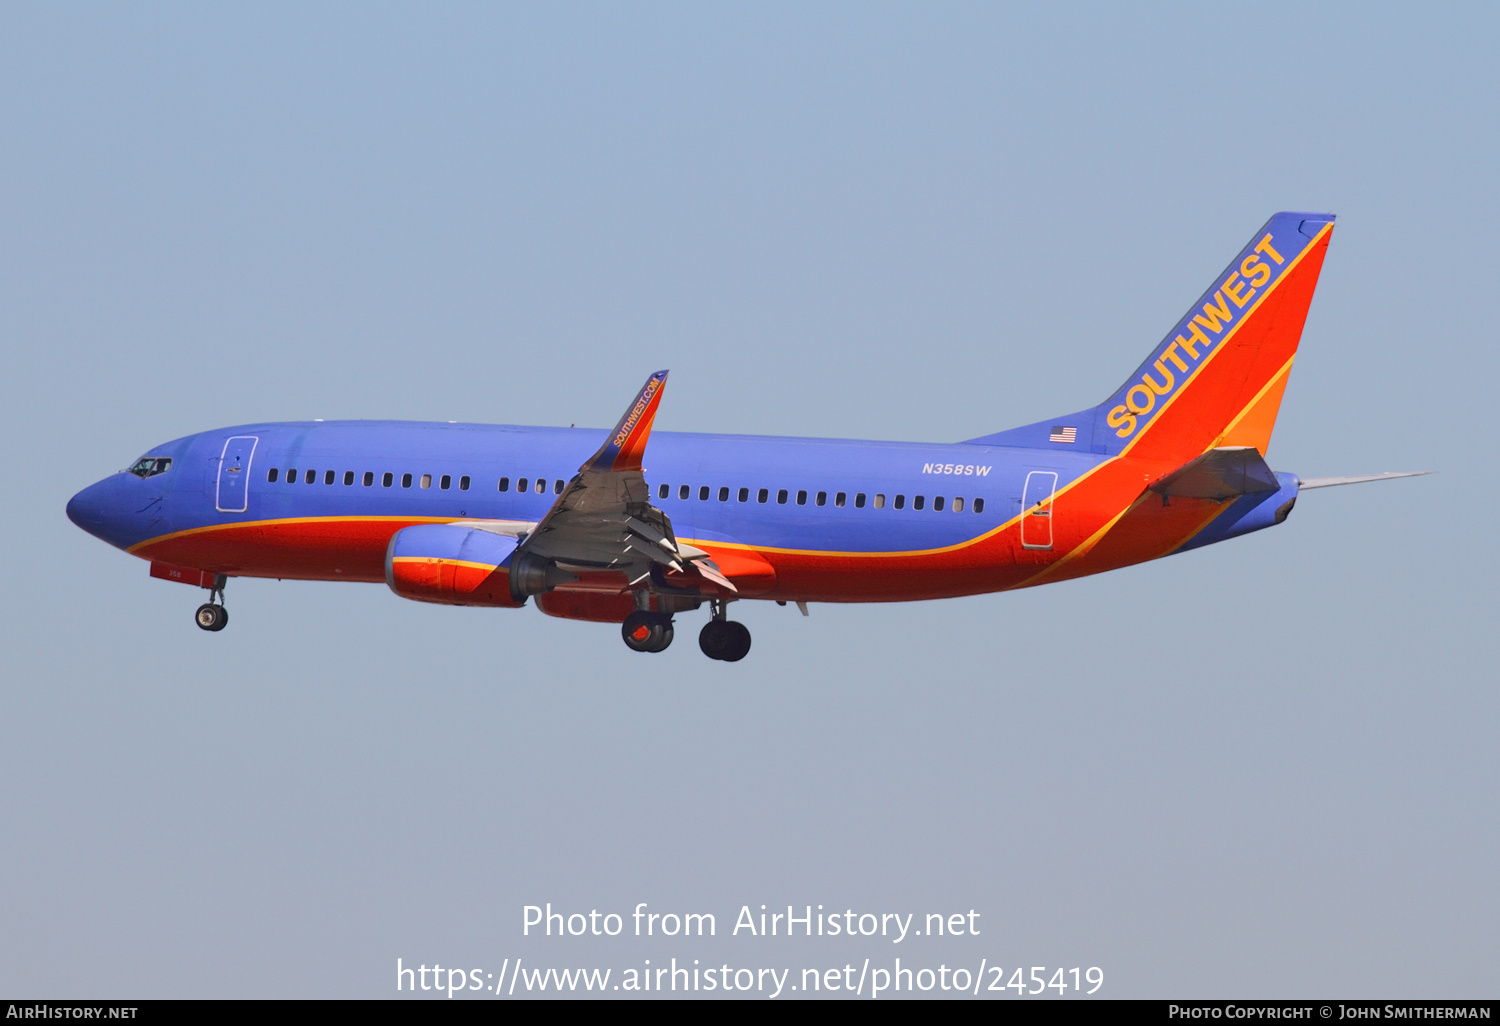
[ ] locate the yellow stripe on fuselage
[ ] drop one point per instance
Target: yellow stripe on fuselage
(486, 567)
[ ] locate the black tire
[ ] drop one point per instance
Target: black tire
(212, 617)
(726, 640)
(713, 639)
(666, 637)
(645, 631)
(738, 645)
(637, 631)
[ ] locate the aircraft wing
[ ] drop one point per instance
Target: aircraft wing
(604, 519)
(1219, 474)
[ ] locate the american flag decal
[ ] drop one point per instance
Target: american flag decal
(1063, 434)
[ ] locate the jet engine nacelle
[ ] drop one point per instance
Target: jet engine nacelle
(530, 575)
(451, 564)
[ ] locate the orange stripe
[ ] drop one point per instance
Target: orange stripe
(173, 536)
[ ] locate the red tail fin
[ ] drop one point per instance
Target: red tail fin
(1218, 377)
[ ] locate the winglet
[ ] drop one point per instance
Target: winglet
(627, 442)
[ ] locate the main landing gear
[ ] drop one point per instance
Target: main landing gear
(650, 630)
(646, 630)
(722, 638)
(212, 616)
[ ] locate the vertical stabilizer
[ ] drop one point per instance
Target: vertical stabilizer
(1217, 378)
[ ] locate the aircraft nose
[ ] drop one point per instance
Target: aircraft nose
(86, 509)
(118, 510)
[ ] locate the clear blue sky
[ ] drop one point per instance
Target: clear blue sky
(1265, 768)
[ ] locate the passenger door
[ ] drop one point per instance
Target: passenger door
(232, 494)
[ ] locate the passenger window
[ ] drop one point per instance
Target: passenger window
(978, 505)
(426, 481)
(541, 485)
(369, 478)
(463, 483)
(521, 483)
(387, 479)
(291, 477)
(685, 492)
(838, 500)
(663, 491)
(958, 504)
(445, 482)
(505, 484)
(557, 486)
(310, 477)
(918, 502)
(781, 496)
(272, 475)
(859, 500)
(880, 500)
(762, 495)
(348, 478)
(744, 495)
(802, 498)
(900, 502)
(328, 477)
(703, 493)
(822, 498)
(405, 480)
(937, 503)
(723, 493)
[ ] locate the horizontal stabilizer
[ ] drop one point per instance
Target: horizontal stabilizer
(1328, 482)
(1220, 474)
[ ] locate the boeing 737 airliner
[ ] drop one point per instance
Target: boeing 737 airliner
(475, 514)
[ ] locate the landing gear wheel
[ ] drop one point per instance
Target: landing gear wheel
(212, 617)
(714, 638)
(726, 640)
(647, 631)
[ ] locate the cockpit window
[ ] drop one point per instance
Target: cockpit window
(150, 466)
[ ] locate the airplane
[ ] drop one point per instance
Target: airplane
(495, 515)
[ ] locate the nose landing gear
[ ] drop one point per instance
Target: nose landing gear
(212, 616)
